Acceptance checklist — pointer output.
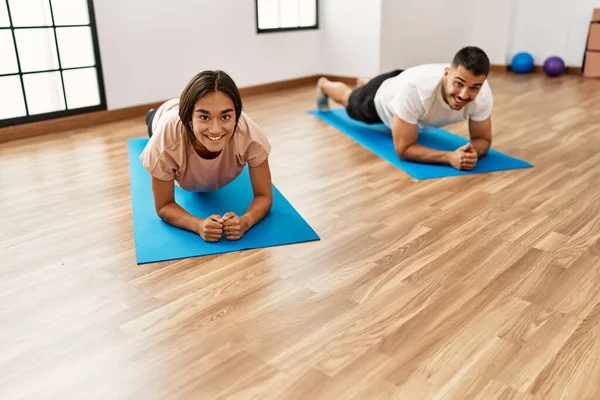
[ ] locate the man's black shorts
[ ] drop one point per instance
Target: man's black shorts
(361, 105)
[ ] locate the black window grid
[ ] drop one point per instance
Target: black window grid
(288, 29)
(97, 65)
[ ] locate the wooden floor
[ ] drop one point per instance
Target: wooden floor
(486, 286)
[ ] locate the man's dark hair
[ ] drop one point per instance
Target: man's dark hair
(473, 59)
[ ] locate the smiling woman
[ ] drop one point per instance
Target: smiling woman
(201, 142)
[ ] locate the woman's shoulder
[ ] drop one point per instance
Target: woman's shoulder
(253, 144)
(168, 126)
(165, 153)
(250, 130)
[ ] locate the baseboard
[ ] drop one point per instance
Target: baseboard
(99, 117)
(87, 120)
(498, 68)
(536, 69)
(277, 86)
(348, 80)
(64, 124)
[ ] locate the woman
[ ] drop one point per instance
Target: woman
(202, 141)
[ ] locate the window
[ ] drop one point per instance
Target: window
(49, 60)
(286, 15)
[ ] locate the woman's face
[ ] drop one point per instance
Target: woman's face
(213, 120)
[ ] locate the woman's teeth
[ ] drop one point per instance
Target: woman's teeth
(215, 138)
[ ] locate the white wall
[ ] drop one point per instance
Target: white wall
(552, 27)
(492, 27)
(150, 49)
(432, 31)
(351, 37)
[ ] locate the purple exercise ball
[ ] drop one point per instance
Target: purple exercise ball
(554, 66)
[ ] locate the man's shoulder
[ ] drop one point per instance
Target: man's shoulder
(482, 106)
(421, 79)
(424, 73)
(485, 96)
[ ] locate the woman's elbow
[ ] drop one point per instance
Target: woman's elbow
(268, 202)
(163, 211)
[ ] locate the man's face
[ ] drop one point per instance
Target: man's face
(461, 86)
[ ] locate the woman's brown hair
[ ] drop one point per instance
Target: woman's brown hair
(203, 83)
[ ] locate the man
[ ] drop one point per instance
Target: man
(431, 95)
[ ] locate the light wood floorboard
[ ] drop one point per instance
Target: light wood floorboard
(478, 287)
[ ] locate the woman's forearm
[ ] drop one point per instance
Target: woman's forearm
(175, 215)
(257, 210)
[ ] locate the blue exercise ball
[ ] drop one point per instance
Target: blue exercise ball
(554, 66)
(522, 63)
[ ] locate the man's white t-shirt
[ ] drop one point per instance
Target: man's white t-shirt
(416, 96)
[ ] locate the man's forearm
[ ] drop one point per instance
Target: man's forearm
(418, 153)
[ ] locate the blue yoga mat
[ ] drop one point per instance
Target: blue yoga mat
(156, 240)
(378, 139)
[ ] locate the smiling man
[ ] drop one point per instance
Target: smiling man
(430, 95)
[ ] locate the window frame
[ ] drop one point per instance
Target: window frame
(98, 67)
(289, 29)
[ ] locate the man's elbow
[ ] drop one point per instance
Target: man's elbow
(402, 153)
(483, 147)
